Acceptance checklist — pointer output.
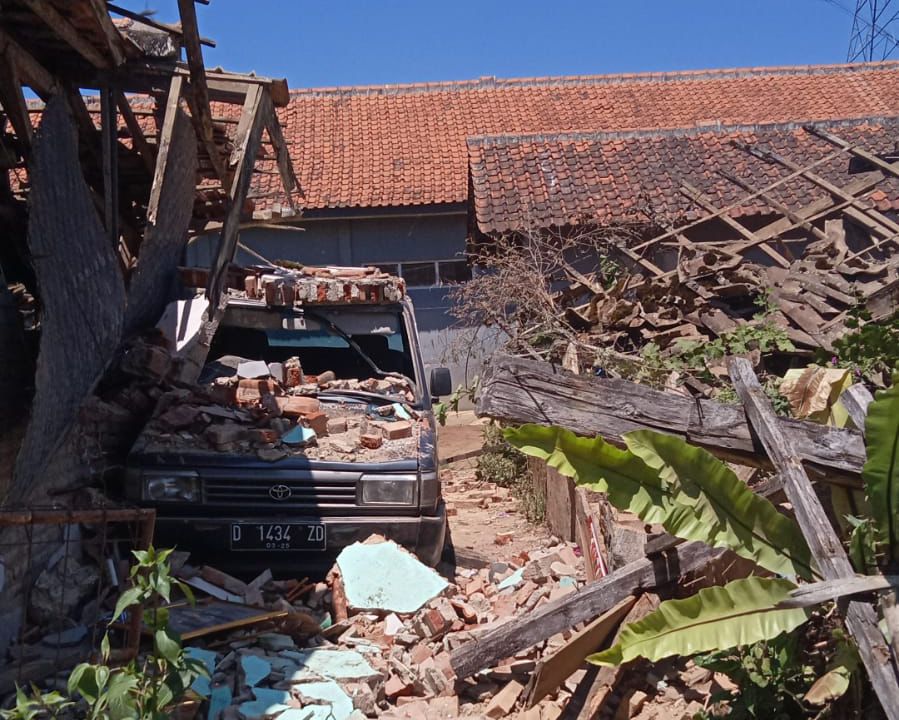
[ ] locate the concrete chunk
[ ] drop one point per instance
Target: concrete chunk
(383, 576)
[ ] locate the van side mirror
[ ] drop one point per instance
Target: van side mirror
(441, 383)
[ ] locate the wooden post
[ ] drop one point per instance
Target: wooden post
(110, 155)
(827, 550)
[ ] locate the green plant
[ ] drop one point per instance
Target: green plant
(442, 409)
(662, 479)
(773, 678)
(145, 688)
(37, 705)
(502, 464)
(694, 496)
(739, 613)
(871, 349)
(881, 470)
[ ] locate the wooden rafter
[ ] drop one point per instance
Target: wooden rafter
(753, 240)
(165, 137)
(60, 25)
(13, 101)
(257, 105)
(871, 219)
(114, 40)
(199, 100)
(774, 203)
(282, 157)
(733, 206)
(144, 149)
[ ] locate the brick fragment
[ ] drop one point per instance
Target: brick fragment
(318, 421)
(371, 441)
(297, 405)
(336, 425)
(397, 687)
(250, 391)
(225, 433)
(263, 435)
(504, 701)
(397, 430)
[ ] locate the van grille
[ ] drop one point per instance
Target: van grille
(312, 493)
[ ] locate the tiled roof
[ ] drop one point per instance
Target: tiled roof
(406, 145)
(569, 179)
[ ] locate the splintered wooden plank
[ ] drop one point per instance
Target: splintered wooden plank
(114, 40)
(827, 550)
(282, 157)
(588, 603)
(144, 149)
(13, 101)
(553, 671)
(246, 145)
(200, 110)
(75, 38)
(521, 390)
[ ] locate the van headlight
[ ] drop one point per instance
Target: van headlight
(389, 489)
(170, 487)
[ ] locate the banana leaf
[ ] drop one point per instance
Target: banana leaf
(726, 513)
(881, 470)
(716, 618)
(730, 517)
(629, 482)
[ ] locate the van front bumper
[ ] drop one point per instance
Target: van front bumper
(209, 539)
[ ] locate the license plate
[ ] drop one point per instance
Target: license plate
(277, 536)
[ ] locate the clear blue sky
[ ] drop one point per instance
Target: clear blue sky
(394, 41)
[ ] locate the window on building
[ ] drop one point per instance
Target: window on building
(432, 273)
(419, 274)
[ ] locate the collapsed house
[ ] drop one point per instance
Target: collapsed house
(798, 221)
(98, 198)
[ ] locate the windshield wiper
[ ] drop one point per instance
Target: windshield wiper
(343, 334)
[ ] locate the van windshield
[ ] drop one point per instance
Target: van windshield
(275, 336)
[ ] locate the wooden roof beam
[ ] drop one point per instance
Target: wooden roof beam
(282, 157)
(114, 40)
(73, 37)
(13, 101)
(754, 241)
(143, 147)
(201, 113)
(257, 106)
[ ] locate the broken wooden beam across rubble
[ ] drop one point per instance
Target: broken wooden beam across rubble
(827, 550)
(520, 390)
(585, 605)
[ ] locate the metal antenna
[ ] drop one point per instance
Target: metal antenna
(875, 25)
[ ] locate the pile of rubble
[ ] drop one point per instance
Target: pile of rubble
(272, 410)
(713, 292)
(375, 638)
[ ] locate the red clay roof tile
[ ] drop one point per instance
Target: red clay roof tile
(602, 177)
(405, 144)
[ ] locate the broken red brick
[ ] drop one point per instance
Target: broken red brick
(250, 392)
(336, 426)
(263, 435)
(396, 687)
(370, 441)
(397, 430)
(298, 405)
(318, 421)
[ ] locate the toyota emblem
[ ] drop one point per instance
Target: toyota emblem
(279, 492)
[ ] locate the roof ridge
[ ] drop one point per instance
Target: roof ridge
(492, 82)
(693, 131)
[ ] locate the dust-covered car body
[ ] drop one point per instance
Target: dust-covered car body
(310, 428)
